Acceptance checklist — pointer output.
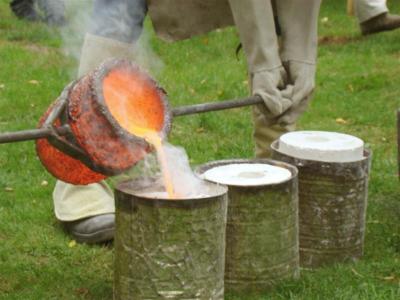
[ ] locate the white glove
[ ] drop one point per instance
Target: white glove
(267, 85)
(301, 78)
(254, 20)
(299, 52)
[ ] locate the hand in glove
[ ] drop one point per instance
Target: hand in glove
(301, 77)
(299, 52)
(254, 20)
(267, 85)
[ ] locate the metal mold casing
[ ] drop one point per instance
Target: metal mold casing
(262, 247)
(332, 208)
(169, 249)
(96, 131)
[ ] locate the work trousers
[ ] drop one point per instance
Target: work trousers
(120, 20)
(115, 24)
(368, 9)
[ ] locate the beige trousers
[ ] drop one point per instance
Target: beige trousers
(75, 202)
(265, 133)
(367, 9)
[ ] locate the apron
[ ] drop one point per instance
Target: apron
(175, 20)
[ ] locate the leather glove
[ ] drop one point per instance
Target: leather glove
(254, 20)
(299, 52)
(267, 85)
(301, 78)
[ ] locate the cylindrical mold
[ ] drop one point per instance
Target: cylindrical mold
(169, 249)
(262, 246)
(332, 208)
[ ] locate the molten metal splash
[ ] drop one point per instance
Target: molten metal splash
(137, 108)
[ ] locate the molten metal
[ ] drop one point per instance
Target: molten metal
(106, 111)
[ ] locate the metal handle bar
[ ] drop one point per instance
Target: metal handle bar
(33, 134)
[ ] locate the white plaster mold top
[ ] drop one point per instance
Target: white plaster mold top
(322, 146)
(247, 174)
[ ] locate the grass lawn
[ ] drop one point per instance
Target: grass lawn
(358, 93)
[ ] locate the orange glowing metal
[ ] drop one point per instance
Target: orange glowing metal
(154, 139)
(136, 107)
(133, 101)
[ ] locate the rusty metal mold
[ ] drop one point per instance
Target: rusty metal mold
(169, 249)
(64, 165)
(332, 208)
(97, 132)
(262, 246)
(79, 140)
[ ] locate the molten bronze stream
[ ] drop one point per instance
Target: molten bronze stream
(87, 133)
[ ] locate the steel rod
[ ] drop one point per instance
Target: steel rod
(32, 134)
(47, 131)
(214, 106)
(56, 111)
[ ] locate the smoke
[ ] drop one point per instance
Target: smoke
(120, 22)
(146, 57)
(78, 14)
(186, 184)
(147, 176)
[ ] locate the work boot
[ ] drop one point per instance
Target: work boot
(92, 230)
(24, 9)
(383, 22)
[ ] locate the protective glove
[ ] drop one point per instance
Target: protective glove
(301, 79)
(299, 51)
(254, 20)
(266, 84)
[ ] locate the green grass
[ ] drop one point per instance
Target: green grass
(358, 80)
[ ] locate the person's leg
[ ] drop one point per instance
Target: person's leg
(368, 9)
(265, 133)
(88, 211)
(373, 16)
(115, 27)
(53, 10)
(120, 20)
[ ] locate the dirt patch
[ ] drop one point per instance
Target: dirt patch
(28, 46)
(37, 48)
(338, 40)
(5, 285)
